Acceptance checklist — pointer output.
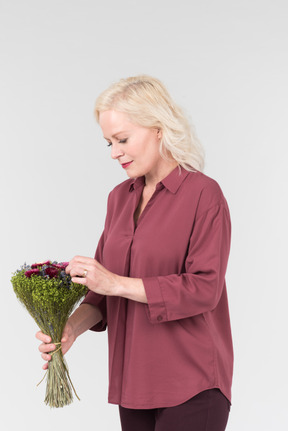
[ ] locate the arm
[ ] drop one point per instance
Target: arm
(199, 288)
(84, 318)
(103, 282)
(132, 288)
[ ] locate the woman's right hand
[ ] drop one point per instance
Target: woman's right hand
(67, 340)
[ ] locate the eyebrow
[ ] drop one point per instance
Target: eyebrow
(118, 133)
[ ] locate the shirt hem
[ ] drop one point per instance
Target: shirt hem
(155, 405)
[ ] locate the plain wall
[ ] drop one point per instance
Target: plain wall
(226, 63)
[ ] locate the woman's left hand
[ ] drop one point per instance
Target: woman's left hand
(87, 271)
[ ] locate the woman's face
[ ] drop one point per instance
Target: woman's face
(136, 148)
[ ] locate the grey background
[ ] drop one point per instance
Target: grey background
(226, 63)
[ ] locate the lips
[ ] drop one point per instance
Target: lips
(125, 165)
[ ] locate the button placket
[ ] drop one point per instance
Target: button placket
(159, 187)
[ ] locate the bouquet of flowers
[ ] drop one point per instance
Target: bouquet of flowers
(49, 295)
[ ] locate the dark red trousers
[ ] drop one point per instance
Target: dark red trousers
(207, 411)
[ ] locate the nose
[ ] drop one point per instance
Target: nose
(116, 151)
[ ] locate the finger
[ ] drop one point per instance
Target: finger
(81, 260)
(46, 357)
(45, 366)
(43, 337)
(45, 348)
(81, 270)
(65, 336)
(77, 271)
(79, 280)
(70, 265)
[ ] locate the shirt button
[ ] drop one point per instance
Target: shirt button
(159, 318)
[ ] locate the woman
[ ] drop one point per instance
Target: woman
(158, 278)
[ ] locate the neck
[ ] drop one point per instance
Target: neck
(153, 178)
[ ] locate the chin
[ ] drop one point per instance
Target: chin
(131, 175)
(134, 174)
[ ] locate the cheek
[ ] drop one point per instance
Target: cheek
(154, 151)
(147, 148)
(149, 154)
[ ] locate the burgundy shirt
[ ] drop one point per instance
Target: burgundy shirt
(163, 353)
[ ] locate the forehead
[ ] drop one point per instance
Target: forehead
(113, 121)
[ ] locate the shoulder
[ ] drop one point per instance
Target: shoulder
(205, 189)
(200, 183)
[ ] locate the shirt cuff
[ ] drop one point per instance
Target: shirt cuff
(156, 309)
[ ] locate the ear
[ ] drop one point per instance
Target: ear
(159, 133)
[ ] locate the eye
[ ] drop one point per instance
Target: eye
(109, 144)
(123, 141)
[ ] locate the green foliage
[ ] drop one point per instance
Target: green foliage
(50, 301)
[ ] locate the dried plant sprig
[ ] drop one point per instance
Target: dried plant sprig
(49, 295)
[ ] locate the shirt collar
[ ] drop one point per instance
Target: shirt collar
(172, 182)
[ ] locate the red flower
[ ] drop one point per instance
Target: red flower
(36, 265)
(52, 272)
(61, 265)
(31, 272)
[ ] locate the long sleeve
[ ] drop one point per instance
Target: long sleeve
(199, 288)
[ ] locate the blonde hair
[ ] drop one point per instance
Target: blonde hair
(147, 103)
